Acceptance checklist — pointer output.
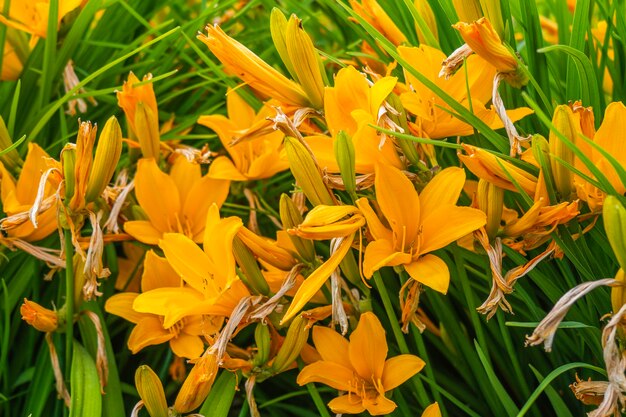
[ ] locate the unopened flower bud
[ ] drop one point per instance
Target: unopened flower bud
(560, 152)
(291, 217)
(344, 154)
(263, 344)
(253, 276)
(10, 159)
(147, 131)
(151, 391)
(618, 292)
(614, 215)
(468, 10)
(305, 62)
(278, 30)
(198, 384)
(41, 318)
(306, 173)
(108, 154)
(296, 338)
(68, 161)
(491, 201)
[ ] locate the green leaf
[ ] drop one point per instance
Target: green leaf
(85, 385)
(220, 399)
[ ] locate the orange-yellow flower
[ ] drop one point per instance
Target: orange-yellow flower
(373, 14)
(611, 136)
(184, 336)
(213, 287)
(360, 367)
(19, 196)
(11, 63)
(252, 159)
(177, 202)
(472, 89)
(32, 16)
(418, 224)
(351, 106)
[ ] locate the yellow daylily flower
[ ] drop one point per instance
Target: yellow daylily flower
(474, 85)
(12, 65)
(432, 410)
(351, 106)
(418, 224)
(19, 196)
(41, 318)
(142, 113)
(32, 16)
(251, 69)
(213, 287)
(360, 367)
(376, 16)
(177, 202)
(184, 336)
(611, 136)
(252, 159)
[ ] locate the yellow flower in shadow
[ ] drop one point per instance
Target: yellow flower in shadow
(471, 87)
(359, 367)
(174, 203)
(184, 336)
(19, 196)
(417, 224)
(250, 159)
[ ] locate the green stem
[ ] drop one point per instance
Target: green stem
(397, 333)
(69, 302)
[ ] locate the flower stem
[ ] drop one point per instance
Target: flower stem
(397, 332)
(69, 302)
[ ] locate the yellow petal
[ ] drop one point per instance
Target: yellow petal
(314, 282)
(189, 261)
(157, 195)
(149, 331)
(187, 346)
(379, 406)
(368, 347)
(329, 373)
(379, 92)
(331, 346)
(157, 273)
(431, 271)
(379, 253)
(143, 231)
(399, 369)
(172, 303)
(347, 404)
(443, 189)
(377, 229)
(218, 245)
(223, 168)
(122, 305)
(184, 174)
(448, 224)
(204, 192)
(399, 202)
(611, 136)
(432, 411)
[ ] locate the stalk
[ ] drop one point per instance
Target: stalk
(69, 302)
